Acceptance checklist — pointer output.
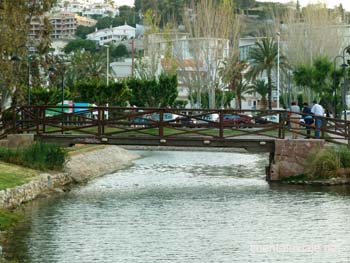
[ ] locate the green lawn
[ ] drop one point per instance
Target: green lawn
(13, 175)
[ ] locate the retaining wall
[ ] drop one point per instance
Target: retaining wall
(290, 157)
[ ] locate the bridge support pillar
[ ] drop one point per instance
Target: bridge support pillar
(289, 157)
(19, 140)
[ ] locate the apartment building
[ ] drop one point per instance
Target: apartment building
(64, 25)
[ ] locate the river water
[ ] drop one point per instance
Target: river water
(188, 207)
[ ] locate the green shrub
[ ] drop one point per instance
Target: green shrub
(10, 156)
(323, 164)
(344, 156)
(44, 156)
(326, 163)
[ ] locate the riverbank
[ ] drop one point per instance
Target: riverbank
(303, 180)
(21, 185)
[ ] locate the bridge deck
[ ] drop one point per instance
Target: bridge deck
(254, 145)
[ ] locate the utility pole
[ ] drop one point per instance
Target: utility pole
(132, 57)
(278, 69)
(107, 77)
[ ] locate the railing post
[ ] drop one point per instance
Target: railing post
(221, 124)
(103, 121)
(348, 133)
(44, 120)
(323, 126)
(23, 118)
(14, 120)
(281, 130)
(37, 114)
(99, 121)
(62, 118)
(161, 123)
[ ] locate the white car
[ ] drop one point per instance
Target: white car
(347, 115)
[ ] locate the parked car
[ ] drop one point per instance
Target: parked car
(141, 121)
(186, 121)
(166, 117)
(267, 119)
(236, 120)
(343, 113)
(212, 117)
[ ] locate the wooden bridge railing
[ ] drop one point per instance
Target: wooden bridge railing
(113, 122)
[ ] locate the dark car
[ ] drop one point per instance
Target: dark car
(236, 120)
(186, 121)
(141, 121)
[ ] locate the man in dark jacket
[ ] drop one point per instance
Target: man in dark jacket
(307, 118)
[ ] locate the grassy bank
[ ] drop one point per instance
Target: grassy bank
(40, 156)
(12, 175)
(20, 166)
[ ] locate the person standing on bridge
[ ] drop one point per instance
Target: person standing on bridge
(294, 119)
(307, 119)
(318, 111)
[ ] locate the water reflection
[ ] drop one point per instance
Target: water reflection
(189, 207)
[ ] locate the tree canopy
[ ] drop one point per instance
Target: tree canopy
(80, 44)
(15, 18)
(160, 92)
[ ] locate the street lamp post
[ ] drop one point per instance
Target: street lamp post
(344, 65)
(289, 88)
(107, 46)
(132, 57)
(62, 88)
(29, 78)
(53, 69)
(278, 69)
(335, 85)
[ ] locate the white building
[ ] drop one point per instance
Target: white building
(100, 10)
(112, 34)
(86, 7)
(76, 6)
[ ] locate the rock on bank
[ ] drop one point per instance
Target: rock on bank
(80, 167)
(84, 166)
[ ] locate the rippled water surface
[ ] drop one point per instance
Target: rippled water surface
(188, 207)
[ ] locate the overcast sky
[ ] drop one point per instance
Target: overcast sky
(330, 3)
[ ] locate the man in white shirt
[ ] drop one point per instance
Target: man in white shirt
(318, 111)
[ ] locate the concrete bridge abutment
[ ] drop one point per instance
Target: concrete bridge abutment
(290, 157)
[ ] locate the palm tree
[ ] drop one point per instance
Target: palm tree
(241, 89)
(261, 87)
(232, 75)
(264, 60)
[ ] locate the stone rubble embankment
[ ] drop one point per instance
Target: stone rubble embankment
(79, 168)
